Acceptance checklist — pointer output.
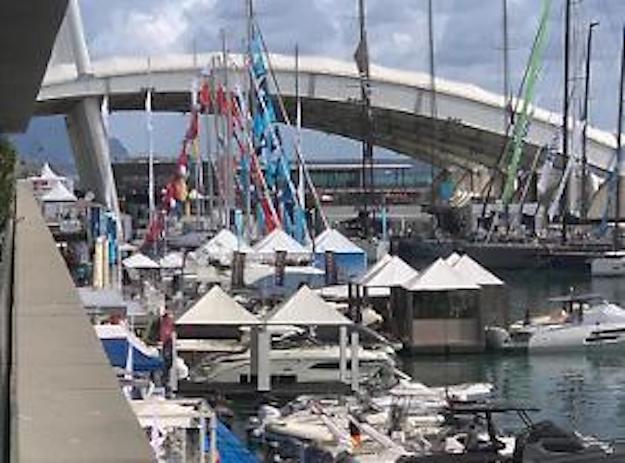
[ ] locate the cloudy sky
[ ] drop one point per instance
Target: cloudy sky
(468, 38)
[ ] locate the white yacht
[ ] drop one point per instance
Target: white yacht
(611, 264)
(584, 322)
(302, 364)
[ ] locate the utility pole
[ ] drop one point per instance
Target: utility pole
(433, 104)
(565, 117)
(619, 153)
(584, 210)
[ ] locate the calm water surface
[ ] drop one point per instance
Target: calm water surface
(584, 391)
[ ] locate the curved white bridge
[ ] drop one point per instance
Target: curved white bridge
(468, 131)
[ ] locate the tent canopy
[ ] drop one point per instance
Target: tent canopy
(440, 276)
(171, 260)
(306, 307)
(453, 258)
(59, 194)
(48, 174)
(139, 261)
(279, 240)
(394, 272)
(481, 275)
(375, 268)
(217, 308)
(333, 240)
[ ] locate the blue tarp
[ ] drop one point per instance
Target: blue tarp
(230, 448)
(117, 352)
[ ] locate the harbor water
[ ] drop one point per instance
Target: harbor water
(582, 391)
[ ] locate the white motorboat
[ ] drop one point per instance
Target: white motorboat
(611, 264)
(584, 322)
(301, 364)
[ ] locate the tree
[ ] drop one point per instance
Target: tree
(8, 158)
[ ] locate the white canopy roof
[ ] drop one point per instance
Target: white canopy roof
(375, 268)
(453, 258)
(59, 194)
(479, 274)
(279, 240)
(440, 276)
(394, 272)
(139, 261)
(216, 308)
(307, 308)
(333, 240)
(172, 260)
(48, 174)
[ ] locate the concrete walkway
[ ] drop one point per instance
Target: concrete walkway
(68, 406)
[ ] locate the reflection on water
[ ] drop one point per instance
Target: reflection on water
(586, 392)
(583, 391)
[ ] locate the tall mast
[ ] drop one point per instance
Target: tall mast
(228, 165)
(565, 117)
(506, 65)
(433, 103)
(362, 61)
(298, 125)
(584, 210)
(150, 130)
(619, 153)
(250, 36)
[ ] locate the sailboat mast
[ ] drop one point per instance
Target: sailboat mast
(619, 153)
(565, 117)
(506, 65)
(433, 102)
(250, 35)
(584, 205)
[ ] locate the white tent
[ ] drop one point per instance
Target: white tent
(453, 258)
(394, 272)
(479, 274)
(375, 268)
(139, 261)
(172, 260)
(217, 308)
(307, 308)
(279, 240)
(440, 276)
(221, 247)
(48, 174)
(333, 240)
(59, 194)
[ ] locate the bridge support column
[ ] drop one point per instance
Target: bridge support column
(91, 151)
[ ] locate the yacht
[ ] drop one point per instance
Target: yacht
(583, 322)
(301, 364)
(611, 264)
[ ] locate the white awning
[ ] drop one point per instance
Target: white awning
(480, 275)
(217, 308)
(307, 308)
(139, 261)
(440, 276)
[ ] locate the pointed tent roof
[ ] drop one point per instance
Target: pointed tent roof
(279, 240)
(481, 275)
(453, 258)
(395, 272)
(223, 241)
(440, 276)
(59, 194)
(48, 174)
(333, 240)
(217, 308)
(306, 307)
(385, 259)
(139, 261)
(173, 259)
